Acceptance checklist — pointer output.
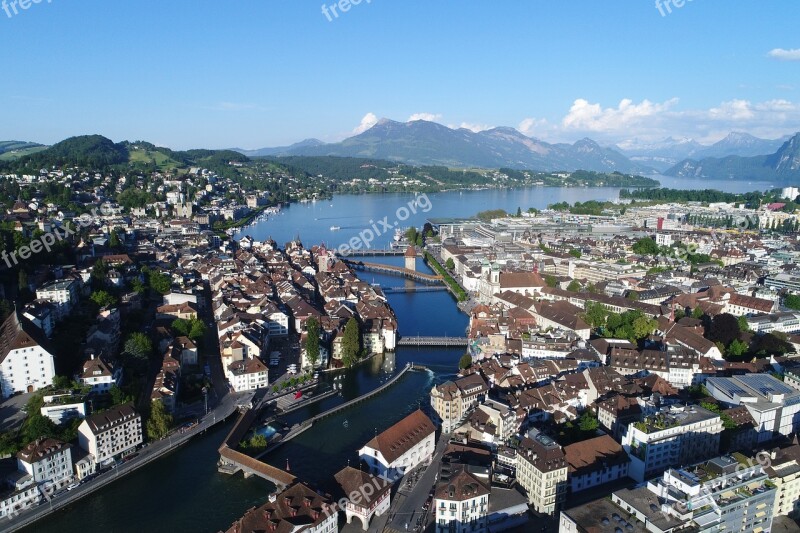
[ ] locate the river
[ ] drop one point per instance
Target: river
(184, 491)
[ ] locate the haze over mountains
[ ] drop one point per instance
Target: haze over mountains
(428, 143)
(738, 156)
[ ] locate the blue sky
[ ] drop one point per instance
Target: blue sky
(254, 73)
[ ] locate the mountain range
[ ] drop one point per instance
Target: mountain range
(422, 143)
(783, 165)
(428, 143)
(665, 154)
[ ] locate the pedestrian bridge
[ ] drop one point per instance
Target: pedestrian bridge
(394, 270)
(416, 288)
(433, 341)
(232, 461)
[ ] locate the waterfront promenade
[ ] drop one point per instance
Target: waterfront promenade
(155, 450)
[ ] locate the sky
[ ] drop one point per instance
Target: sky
(258, 73)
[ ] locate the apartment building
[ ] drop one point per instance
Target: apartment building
(774, 405)
(111, 434)
(721, 494)
(62, 293)
(461, 504)
(248, 374)
(46, 462)
(542, 472)
(673, 436)
(783, 469)
(452, 400)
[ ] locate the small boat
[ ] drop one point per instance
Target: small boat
(335, 228)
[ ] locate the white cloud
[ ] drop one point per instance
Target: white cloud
(429, 117)
(533, 127)
(475, 128)
(785, 55)
(586, 116)
(369, 120)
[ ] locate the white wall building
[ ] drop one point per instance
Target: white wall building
(111, 434)
(25, 364)
(402, 447)
(461, 504)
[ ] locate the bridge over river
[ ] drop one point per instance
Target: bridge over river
(232, 460)
(433, 341)
(394, 270)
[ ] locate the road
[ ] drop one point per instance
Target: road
(407, 506)
(146, 455)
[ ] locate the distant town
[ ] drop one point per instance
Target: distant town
(629, 365)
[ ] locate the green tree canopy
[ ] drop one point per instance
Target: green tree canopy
(159, 422)
(465, 361)
(351, 343)
(312, 341)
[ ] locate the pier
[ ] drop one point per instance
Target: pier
(433, 341)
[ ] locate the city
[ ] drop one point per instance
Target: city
(585, 322)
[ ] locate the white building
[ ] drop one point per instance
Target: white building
(99, 375)
(452, 401)
(461, 504)
(248, 374)
(62, 293)
(25, 364)
(48, 462)
(61, 408)
(673, 436)
(773, 405)
(402, 447)
(111, 434)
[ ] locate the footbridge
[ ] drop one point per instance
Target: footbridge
(433, 341)
(394, 270)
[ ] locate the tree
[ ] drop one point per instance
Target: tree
(743, 325)
(737, 348)
(573, 286)
(724, 328)
(588, 423)
(519, 212)
(62, 383)
(22, 280)
(465, 362)
(450, 264)
(632, 295)
(160, 282)
(595, 314)
(574, 252)
(697, 313)
(99, 271)
(645, 246)
(103, 299)
(643, 326)
(351, 343)
(550, 280)
(411, 235)
(118, 396)
(312, 341)
(159, 421)
(139, 346)
(792, 301)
